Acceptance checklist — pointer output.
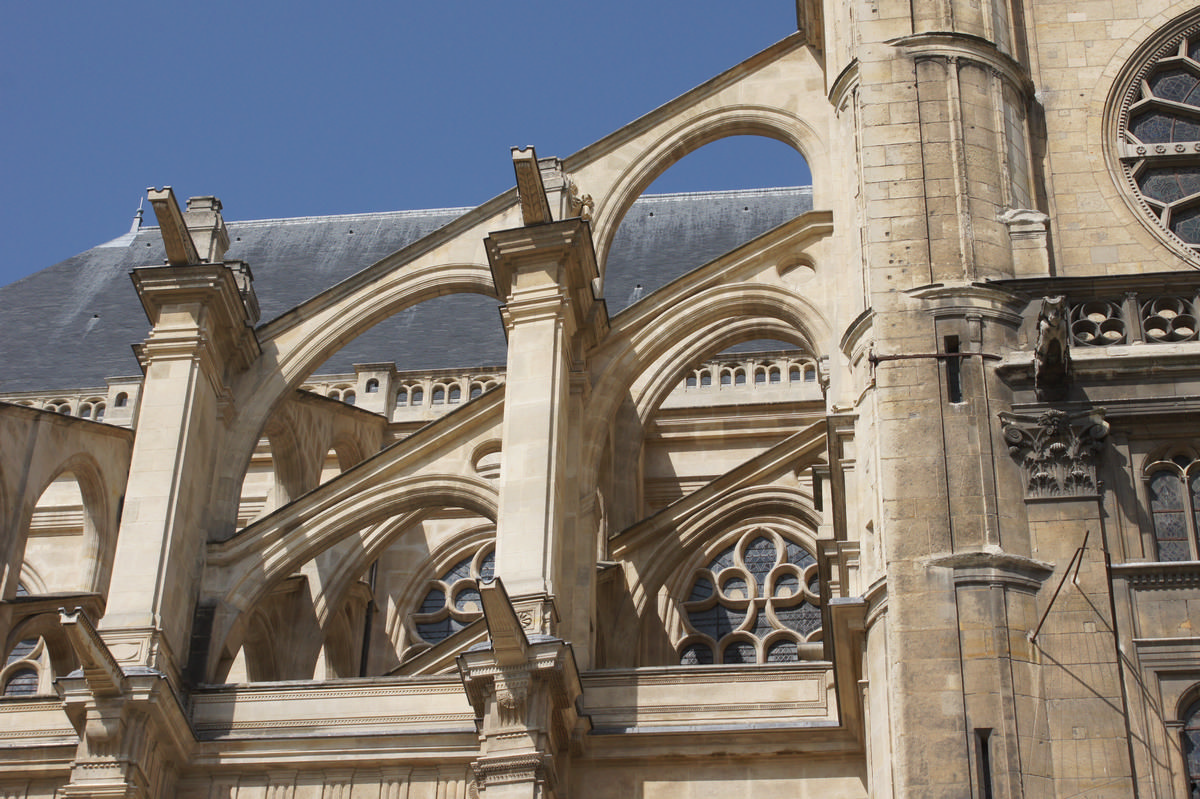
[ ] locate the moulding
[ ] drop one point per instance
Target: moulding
(1159, 575)
(966, 47)
(994, 567)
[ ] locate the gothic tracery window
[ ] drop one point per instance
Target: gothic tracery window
(452, 601)
(1173, 494)
(1159, 138)
(756, 601)
(22, 668)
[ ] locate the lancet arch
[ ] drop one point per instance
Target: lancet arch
(272, 550)
(777, 504)
(660, 555)
(286, 545)
(93, 556)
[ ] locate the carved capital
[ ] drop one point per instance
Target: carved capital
(499, 770)
(1057, 451)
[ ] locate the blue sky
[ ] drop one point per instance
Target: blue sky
(304, 108)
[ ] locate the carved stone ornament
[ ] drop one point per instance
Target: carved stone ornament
(1058, 451)
(1052, 356)
(582, 206)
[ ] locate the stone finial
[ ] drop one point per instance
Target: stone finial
(582, 205)
(1058, 451)
(204, 222)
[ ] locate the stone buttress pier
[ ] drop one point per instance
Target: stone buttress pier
(127, 706)
(544, 273)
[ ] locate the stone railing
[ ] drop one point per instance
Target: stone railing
(752, 377)
(1134, 318)
(115, 404)
(405, 396)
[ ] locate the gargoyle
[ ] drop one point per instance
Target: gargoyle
(1052, 355)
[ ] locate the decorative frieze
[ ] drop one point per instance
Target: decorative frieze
(1057, 451)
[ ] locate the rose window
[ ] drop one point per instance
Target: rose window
(756, 601)
(1159, 146)
(453, 600)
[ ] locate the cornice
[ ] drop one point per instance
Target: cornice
(994, 567)
(959, 298)
(1159, 576)
(961, 46)
(1097, 285)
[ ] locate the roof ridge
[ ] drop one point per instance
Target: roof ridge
(717, 193)
(458, 210)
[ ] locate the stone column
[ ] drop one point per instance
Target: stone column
(202, 335)
(544, 272)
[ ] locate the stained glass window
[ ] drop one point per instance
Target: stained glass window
(452, 601)
(1191, 749)
(755, 601)
(1173, 496)
(1160, 138)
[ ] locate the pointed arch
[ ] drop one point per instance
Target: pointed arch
(685, 138)
(94, 557)
(650, 353)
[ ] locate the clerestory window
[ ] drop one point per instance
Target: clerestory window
(452, 601)
(757, 600)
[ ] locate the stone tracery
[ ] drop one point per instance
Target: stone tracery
(756, 601)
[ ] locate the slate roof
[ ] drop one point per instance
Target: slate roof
(71, 325)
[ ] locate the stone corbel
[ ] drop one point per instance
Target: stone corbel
(1027, 234)
(1057, 451)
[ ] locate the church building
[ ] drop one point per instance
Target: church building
(888, 486)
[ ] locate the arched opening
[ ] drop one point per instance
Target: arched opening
(333, 464)
(61, 549)
(363, 607)
(37, 652)
(759, 411)
(650, 358)
(733, 189)
(261, 489)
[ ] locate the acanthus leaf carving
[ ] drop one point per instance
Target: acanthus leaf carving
(1057, 451)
